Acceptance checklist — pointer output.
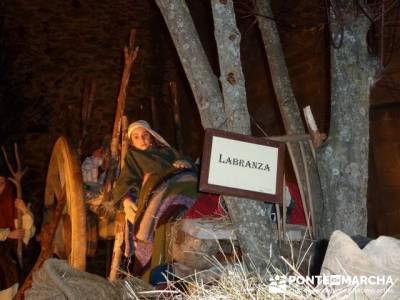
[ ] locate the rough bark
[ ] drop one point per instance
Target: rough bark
(287, 103)
(254, 229)
(343, 160)
(228, 37)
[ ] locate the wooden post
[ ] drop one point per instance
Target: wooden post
(177, 116)
(130, 54)
(16, 179)
(284, 208)
(124, 140)
(309, 212)
(286, 100)
(117, 251)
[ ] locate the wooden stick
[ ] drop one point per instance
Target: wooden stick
(130, 54)
(46, 242)
(124, 141)
(278, 221)
(177, 116)
(309, 198)
(284, 209)
(310, 143)
(16, 179)
(312, 126)
(16, 154)
(117, 251)
(317, 137)
(290, 138)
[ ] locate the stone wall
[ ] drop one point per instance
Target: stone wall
(50, 49)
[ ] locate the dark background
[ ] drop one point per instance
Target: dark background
(50, 49)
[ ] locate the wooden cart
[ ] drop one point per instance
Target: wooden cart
(78, 229)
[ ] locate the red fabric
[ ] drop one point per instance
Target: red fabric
(7, 207)
(207, 205)
(297, 215)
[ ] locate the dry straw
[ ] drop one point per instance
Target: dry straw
(231, 279)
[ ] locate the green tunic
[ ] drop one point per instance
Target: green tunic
(155, 160)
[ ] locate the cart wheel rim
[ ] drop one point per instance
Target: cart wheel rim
(64, 173)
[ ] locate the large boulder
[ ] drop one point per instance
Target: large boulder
(56, 280)
(374, 272)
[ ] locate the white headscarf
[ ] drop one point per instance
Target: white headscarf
(143, 124)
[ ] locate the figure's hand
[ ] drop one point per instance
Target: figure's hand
(101, 208)
(130, 209)
(96, 201)
(182, 164)
(16, 234)
(20, 205)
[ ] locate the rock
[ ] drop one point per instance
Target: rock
(57, 280)
(385, 252)
(379, 259)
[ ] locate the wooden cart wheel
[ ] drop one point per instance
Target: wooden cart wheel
(64, 174)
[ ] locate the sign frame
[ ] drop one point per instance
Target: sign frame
(204, 184)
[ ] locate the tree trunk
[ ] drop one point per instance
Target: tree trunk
(254, 228)
(228, 37)
(198, 71)
(288, 107)
(343, 160)
(249, 216)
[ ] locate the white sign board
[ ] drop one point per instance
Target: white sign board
(241, 165)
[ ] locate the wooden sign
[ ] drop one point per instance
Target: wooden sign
(240, 165)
